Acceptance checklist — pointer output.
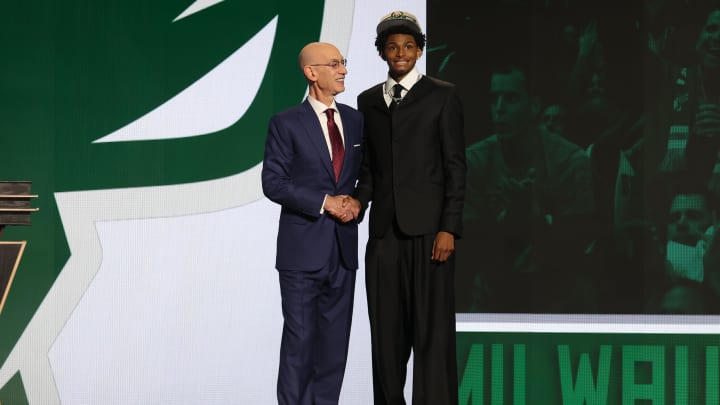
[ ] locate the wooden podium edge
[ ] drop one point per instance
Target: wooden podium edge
(12, 273)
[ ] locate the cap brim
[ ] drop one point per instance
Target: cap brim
(384, 25)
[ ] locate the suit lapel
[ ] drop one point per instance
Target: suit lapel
(351, 139)
(378, 99)
(418, 91)
(311, 124)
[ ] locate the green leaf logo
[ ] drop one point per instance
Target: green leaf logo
(133, 110)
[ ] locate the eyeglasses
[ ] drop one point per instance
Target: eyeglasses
(333, 64)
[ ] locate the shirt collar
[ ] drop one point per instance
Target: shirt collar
(319, 107)
(407, 82)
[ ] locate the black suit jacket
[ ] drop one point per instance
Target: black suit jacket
(414, 164)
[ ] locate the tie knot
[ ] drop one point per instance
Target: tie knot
(329, 112)
(397, 91)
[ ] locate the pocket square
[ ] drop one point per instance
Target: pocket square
(356, 145)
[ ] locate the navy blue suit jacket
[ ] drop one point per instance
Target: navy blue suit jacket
(297, 174)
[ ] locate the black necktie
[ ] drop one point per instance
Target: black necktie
(396, 97)
(338, 151)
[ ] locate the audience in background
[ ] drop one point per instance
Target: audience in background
(585, 191)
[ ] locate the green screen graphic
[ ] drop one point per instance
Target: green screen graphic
(567, 368)
(76, 72)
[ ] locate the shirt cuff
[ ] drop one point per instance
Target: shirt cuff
(322, 208)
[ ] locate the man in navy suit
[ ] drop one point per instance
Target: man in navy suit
(312, 162)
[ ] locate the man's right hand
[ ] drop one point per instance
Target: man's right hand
(342, 207)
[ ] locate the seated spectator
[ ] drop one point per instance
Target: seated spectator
(527, 211)
(552, 119)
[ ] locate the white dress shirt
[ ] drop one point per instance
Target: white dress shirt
(407, 82)
(319, 109)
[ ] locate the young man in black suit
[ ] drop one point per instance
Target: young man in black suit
(414, 174)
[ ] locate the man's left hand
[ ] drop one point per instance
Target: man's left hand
(443, 246)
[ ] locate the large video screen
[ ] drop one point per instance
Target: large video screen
(586, 192)
(588, 269)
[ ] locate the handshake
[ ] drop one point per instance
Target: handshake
(343, 207)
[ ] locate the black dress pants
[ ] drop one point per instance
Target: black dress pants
(411, 307)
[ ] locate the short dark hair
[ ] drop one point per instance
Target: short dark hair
(506, 68)
(701, 190)
(382, 37)
(664, 187)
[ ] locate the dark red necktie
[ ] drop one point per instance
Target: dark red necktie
(338, 151)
